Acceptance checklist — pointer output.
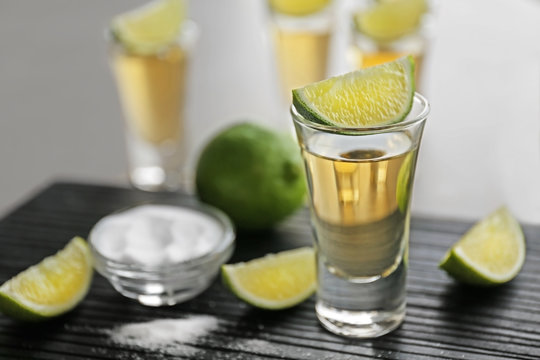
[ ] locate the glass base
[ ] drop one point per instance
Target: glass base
(151, 178)
(156, 167)
(159, 294)
(155, 178)
(359, 324)
(365, 307)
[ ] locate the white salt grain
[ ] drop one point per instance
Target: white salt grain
(172, 336)
(259, 346)
(156, 235)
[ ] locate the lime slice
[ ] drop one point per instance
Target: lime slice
(374, 96)
(52, 287)
(492, 252)
(275, 281)
(403, 188)
(298, 7)
(149, 29)
(391, 19)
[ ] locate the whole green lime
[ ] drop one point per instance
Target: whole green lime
(253, 174)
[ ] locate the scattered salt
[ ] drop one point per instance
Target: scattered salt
(259, 346)
(173, 336)
(179, 337)
(156, 235)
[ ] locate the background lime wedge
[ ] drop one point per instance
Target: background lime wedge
(275, 281)
(298, 7)
(146, 30)
(373, 96)
(50, 288)
(492, 252)
(391, 19)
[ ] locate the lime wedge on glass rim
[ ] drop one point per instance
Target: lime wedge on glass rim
(50, 288)
(491, 253)
(150, 28)
(275, 281)
(374, 96)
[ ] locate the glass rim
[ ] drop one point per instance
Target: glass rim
(423, 114)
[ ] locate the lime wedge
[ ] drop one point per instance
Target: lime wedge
(298, 7)
(275, 281)
(148, 29)
(391, 19)
(50, 288)
(491, 253)
(403, 188)
(374, 96)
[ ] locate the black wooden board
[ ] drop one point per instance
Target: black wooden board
(444, 320)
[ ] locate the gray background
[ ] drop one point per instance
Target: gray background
(60, 117)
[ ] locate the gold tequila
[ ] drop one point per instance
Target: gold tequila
(366, 52)
(152, 90)
(302, 56)
(360, 201)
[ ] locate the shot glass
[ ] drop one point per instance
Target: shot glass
(301, 44)
(152, 91)
(360, 184)
(366, 49)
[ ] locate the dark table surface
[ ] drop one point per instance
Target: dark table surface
(444, 320)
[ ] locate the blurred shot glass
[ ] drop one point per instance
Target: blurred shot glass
(301, 30)
(152, 91)
(384, 30)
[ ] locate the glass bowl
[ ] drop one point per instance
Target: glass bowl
(173, 282)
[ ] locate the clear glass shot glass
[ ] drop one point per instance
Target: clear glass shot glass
(152, 90)
(301, 44)
(360, 184)
(365, 50)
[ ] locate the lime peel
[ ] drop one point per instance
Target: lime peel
(491, 253)
(253, 174)
(370, 97)
(50, 288)
(275, 281)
